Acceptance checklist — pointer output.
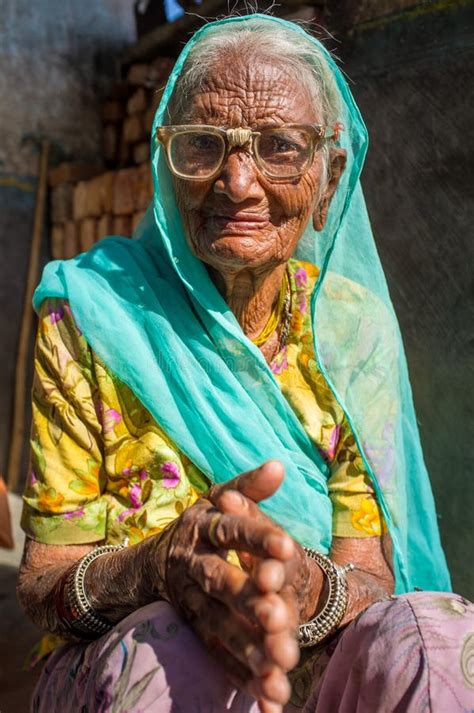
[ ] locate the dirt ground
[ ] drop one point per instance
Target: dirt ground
(17, 634)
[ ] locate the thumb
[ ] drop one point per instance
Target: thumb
(257, 484)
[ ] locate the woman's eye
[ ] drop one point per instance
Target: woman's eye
(280, 144)
(202, 142)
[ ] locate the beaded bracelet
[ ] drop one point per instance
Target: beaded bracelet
(324, 623)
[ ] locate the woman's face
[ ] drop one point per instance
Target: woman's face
(242, 219)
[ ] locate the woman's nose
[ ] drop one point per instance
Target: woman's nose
(238, 179)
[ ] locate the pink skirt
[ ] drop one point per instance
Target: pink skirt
(408, 654)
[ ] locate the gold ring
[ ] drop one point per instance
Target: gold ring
(211, 533)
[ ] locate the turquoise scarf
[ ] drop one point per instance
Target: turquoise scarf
(148, 308)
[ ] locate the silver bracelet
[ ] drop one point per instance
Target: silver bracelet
(84, 618)
(314, 631)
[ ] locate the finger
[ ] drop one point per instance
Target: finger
(257, 484)
(234, 588)
(234, 503)
(234, 532)
(288, 595)
(243, 679)
(270, 575)
(267, 707)
(274, 687)
(282, 649)
(214, 619)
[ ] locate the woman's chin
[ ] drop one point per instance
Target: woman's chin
(236, 251)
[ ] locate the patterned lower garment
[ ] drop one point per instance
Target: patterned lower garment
(408, 654)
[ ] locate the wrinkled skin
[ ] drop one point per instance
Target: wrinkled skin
(242, 225)
(245, 228)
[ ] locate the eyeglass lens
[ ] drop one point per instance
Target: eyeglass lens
(196, 153)
(281, 152)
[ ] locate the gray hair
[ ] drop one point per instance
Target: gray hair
(255, 39)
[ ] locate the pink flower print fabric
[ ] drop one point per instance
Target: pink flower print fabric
(171, 474)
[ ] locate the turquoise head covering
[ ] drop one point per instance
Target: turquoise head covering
(150, 311)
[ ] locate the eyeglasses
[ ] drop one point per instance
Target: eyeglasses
(197, 153)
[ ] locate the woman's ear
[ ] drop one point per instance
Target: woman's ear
(337, 164)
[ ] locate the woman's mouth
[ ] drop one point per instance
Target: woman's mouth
(239, 221)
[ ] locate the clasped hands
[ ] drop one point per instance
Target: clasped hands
(246, 616)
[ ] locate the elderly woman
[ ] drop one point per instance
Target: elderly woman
(226, 467)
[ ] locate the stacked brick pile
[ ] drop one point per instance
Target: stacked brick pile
(110, 203)
(88, 203)
(127, 114)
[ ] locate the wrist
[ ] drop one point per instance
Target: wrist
(316, 591)
(154, 562)
(334, 609)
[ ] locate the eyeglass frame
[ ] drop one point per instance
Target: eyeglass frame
(243, 137)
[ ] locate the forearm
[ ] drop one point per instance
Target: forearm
(116, 583)
(42, 570)
(370, 580)
(122, 582)
(372, 577)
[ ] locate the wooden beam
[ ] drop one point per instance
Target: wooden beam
(168, 39)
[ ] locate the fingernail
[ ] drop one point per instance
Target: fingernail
(236, 499)
(279, 545)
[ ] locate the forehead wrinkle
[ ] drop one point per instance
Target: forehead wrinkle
(250, 95)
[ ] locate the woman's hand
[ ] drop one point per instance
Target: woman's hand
(306, 582)
(248, 619)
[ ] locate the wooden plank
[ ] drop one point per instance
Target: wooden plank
(167, 39)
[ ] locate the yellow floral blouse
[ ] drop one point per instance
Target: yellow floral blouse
(103, 469)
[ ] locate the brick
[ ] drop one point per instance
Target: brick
(57, 242)
(124, 154)
(106, 187)
(125, 189)
(122, 225)
(71, 240)
(87, 233)
(86, 200)
(149, 114)
(148, 117)
(70, 172)
(61, 203)
(112, 111)
(104, 226)
(110, 142)
(143, 186)
(141, 152)
(79, 203)
(138, 102)
(133, 129)
(93, 208)
(138, 74)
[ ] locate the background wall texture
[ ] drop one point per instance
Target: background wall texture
(56, 57)
(411, 75)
